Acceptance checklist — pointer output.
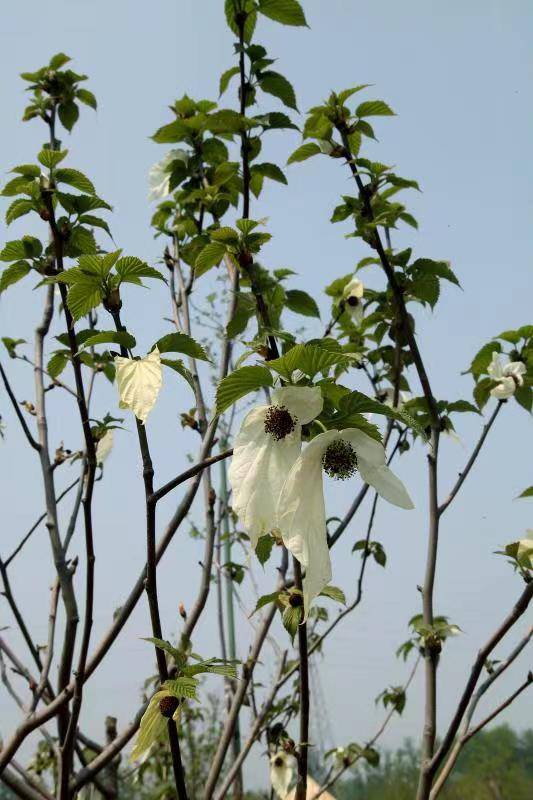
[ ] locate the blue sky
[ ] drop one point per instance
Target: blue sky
(459, 77)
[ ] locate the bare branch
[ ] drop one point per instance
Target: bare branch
(18, 412)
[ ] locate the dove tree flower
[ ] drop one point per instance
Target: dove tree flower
(162, 707)
(104, 446)
(139, 382)
(159, 175)
(281, 772)
(301, 510)
(353, 295)
(266, 447)
(508, 376)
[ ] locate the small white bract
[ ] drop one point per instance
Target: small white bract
(353, 296)
(163, 707)
(525, 551)
(139, 383)
(266, 447)
(281, 771)
(509, 376)
(301, 510)
(104, 446)
(159, 175)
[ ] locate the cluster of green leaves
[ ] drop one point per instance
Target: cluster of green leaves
(427, 637)
(518, 346)
(290, 604)
(53, 88)
(393, 696)
(353, 752)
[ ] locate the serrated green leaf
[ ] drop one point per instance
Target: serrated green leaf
(271, 171)
(131, 269)
(334, 593)
(14, 273)
(304, 152)
(302, 303)
(178, 366)
(27, 247)
(310, 359)
(110, 337)
(263, 548)
(51, 158)
(357, 402)
(276, 84)
(181, 343)
(292, 616)
(288, 12)
(68, 113)
(75, 178)
(18, 208)
(84, 295)
(240, 383)
(87, 97)
(374, 108)
(57, 363)
(225, 79)
(210, 256)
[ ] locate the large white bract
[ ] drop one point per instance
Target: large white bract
(139, 382)
(159, 175)
(508, 376)
(353, 296)
(261, 462)
(301, 510)
(281, 771)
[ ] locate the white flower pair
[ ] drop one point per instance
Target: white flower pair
(509, 376)
(277, 488)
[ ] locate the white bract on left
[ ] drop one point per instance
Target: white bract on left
(266, 447)
(508, 376)
(353, 298)
(159, 175)
(302, 513)
(281, 771)
(139, 382)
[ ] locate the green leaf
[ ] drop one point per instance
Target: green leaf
(302, 303)
(27, 247)
(18, 208)
(358, 403)
(231, 7)
(96, 222)
(304, 152)
(288, 12)
(28, 171)
(292, 616)
(74, 178)
(426, 287)
(483, 357)
(225, 79)
(19, 185)
(240, 383)
(110, 337)
(81, 241)
(181, 343)
(87, 97)
(271, 171)
(57, 363)
(374, 108)
(58, 61)
(276, 84)
(14, 273)
(482, 391)
(131, 269)
(183, 686)
(526, 493)
(51, 158)
(68, 114)
(263, 548)
(178, 366)
(334, 593)
(84, 295)
(307, 358)
(210, 256)
(524, 397)
(441, 269)
(265, 599)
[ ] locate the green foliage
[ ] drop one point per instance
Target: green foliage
(240, 383)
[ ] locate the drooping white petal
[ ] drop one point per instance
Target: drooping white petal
(302, 517)
(259, 467)
(371, 464)
(495, 368)
(386, 484)
(303, 402)
(153, 725)
(281, 771)
(515, 369)
(104, 446)
(504, 389)
(139, 383)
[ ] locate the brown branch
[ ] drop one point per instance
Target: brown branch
(303, 745)
(471, 461)
(18, 412)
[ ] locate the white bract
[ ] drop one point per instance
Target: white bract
(301, 510)
(139, 382)
(281, 771)
(508, 376)
(159, 175)
(154, 724)
(104, 446)
(525, 551)
(266, 447)
(353, 295)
